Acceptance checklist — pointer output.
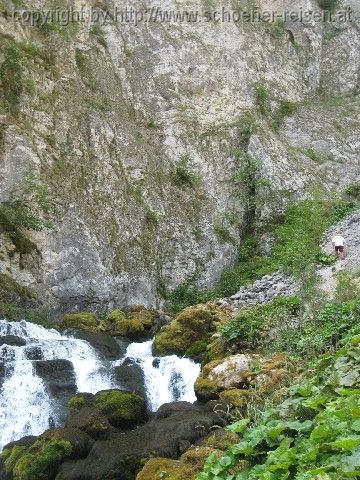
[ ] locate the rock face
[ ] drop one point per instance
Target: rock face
(140, 163)
(262, 291)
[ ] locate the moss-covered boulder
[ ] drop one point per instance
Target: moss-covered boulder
(81, 321)
(122, 409)
(90, 420)
(187, 468)
(239, 372)
(121, 325)
(184, 332)
(40, 461)
(146, 316)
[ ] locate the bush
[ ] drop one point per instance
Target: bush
(181, 174)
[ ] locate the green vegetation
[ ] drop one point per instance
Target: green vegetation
(330, 5)
(76, 403)
(136, 323)
(313, 434)
(262, 97)
(285, 109)
(318, 157)
(11, 78)
(296, 250)
(99, 34)
(223, 234)
(31, 211)
(353, 190)
(248, 331)
(185, 332)
(182, 174)
(276, 29)
(40, 461)
(123, 409)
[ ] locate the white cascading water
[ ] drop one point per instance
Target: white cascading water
(25, 405)
(168, 379)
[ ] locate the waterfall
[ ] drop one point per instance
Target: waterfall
(25, 405)
(28, 406)
(167, 379)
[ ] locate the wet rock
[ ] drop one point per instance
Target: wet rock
(130, 376)
(12, 340)
(34, 353)
(60, 382)
(164, 435)
(104, 344)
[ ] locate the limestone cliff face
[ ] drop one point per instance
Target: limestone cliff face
(138, 132)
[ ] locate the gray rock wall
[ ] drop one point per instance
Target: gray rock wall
(107, 113)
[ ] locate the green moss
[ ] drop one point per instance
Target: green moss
(128, 327)
(143, 315)
(9, 285)
(160, 468)
(75, 403)
(122, 409)
(82, 321)
(191, 325)
(206, 389)
(11, 456)
(197, 350)
(41, 460)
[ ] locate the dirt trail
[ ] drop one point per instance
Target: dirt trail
(349, 228)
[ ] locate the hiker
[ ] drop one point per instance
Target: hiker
(339, 242)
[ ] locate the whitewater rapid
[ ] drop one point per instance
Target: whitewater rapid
(27, 407)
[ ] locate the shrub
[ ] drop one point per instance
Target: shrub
(181, 174)
(286, 109)
(325, 258)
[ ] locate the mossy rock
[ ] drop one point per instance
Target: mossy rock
(192, 325)
(143, 315)
(187, 468)
(91, 421)
(122, 409)
(81, 321)
(159, 468)
(76, 403)
(206, 390)
(116, 315)
(197, 350)
(221, 439)
(39, 461)
(122, 325)
(235, 397)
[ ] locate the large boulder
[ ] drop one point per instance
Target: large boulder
(130, 376)
(40, 457)
(192, 325)
(122, 409)
(121, 457)
(103, 343)
(241, 371)
(80, 321)
(89, 420)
